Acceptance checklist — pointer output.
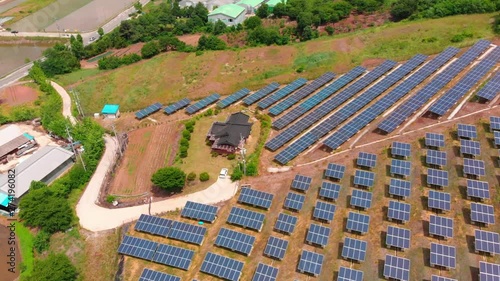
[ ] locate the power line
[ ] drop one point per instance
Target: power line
(73, 148)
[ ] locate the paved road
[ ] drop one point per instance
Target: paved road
(66, 102)
(15, 76)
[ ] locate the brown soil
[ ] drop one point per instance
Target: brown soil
(5, 249)
(359, 21)
(190, 39)
(16, 95)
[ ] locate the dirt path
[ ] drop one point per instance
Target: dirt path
(66, 102)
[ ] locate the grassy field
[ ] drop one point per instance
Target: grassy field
(170, 76)
(26, 241)
(26, 8)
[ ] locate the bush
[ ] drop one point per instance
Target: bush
(41, 241)
(496, 24)
(191, 176)
(56, 267)
(461, 37)
(184, 142)
(237, 174)
(204, 176)
(110, 198)
(150, 50)
(169, 178)
(186, 134)
(231, 156)
(330, 30)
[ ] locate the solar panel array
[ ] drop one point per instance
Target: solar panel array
(137, 247)
(329, 191)
(364, 178)
(310, 262)
(324, 211)
(349, 274)
(173, 256)
(301, 182)
(487, 241)
(467, 131)
(399, 211)
(276, 248)
(435, 157)
(366, 159)
(474, 167)
(335, 171)
(152, 275)
(354, 249)
(222, 267)
(482, 213)
(470, 147)
(202, 103)
(441, 226)
(171, 109)
(302, 93)
(153, 225)
(494, 123)
(233, 98)
(187, 232)
(439, 200)
(318, 235)
(397, 268)
(434, 140)
(285, 223)
(317, 98)
(397, 237)
(265, 272)
(490, 90)
(489, 271)
(358, 222)
(478, 189)
(199, 211)
(406, 109)
(316, 115)
(441, 278)
(143, 113)
(255, 198)
(400, 167)
(437, 177)
(281, 93)
(452, 96)
(361, 199)
(253, 98)
(294, 201)
(401, 149)
(443, 255)
(246, 218)
(400, 188)
(496, 137)
(235, 241)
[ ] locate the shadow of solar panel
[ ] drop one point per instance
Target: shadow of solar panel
(310, 263)
(324, 211)
(400, 167)
(467, 131)
(439, 200)
(434, 140)
(294, 201)
(470, 147)
(366, 159)
(153, 225)
(255, 198)
(301, 182)
(400, 149)
(235, 241)
(482, 213)
(354, 249)
(398, 211)
(441, 278)
(187, 232)
(281, 93)
(265, 272)
(443, 255)
(478, 189)
(222, 267)
(358, 222)
(199, 211)
(348, 274)
(397, 237)
(435, 157)
(486, 241)
(285, 223)
(400, 188)
(474, 167)
(152, 275)
(246, 218)
(489, 271)
(318, 235)
(173, 256)
(490, 90)
(335, 171)
(361, 199)
(364, 178)
(397, 268)
(233, 98)
(261, 93)
(202, 103)
(441, 226)
(171, 109)
(276, 248)
(137, 247)
(437, 177)
(494, 123)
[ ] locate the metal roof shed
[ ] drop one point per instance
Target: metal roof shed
(111, 110)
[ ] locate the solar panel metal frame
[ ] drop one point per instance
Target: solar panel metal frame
(199, 211)
(186, 232)
(399, 211)
(486, 241)
(443, 255)
(354, 249)
(235, 241)
(398, 237)
(434, 140)
(265, 272)
(482, 213)
(335, 171)
(490, 90)
(474, 167)
(437, 178)
(153, 275)
(364, 178)
(441, 278)
(361, 199)
(255, 197)
(399, 187)
(478, 189)
(310, 262)
(301, 183)
(489, 271)
(436, 158)
(329, 191)
(285, 223)
(470, 147)
(400, 167)
(349, 274)
(137, 247)
(467, 131)
(397, 268)
(221, 266)
(401, 149)
(357, 222)
(294, 201)
(365, 159)
(324, 211)
(441, 226)
(439, 200)
(173, 256)
(246, 218)
(153, 225)
(318, 235)
(276, 248)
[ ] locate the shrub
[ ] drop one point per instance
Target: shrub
(184, 142)
(191, 176)
(41, 241)
(169, 178)
(204, 176)
(231, 156)
(330, 30)
(183, 152)
(186, 134)
(55, 267)
(237, 174)
(110, 198)
(150, 50)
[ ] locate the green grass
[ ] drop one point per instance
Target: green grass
(77, 76)
(96, 58)
(315, 60)
(26, 244)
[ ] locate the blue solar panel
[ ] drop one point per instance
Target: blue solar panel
(358, 222)
(335, 171)
(255, 198)
(173, 256)
(400, 149)
(235, 241)
(470, 147)
(397, 237)
(474, 167)
(324, 211)
(441, 278)
(265, 272)
(187, 232)
(253, 98)
(482, 213)
(489, 271)
(366, 160)
(153, 225)
(246, 218)
(301, 183)
(397, 268)
(405, 110)
(435, 157)
(171, 109)
(443, 255)
(398, 211)
(364, 178)
(329, 191)
(202, 104)
(285, 223)
(400, 188)
(400, 167)
(233, 98)
(302, 93)
(467, 131)
(137, 247)
(310, 263)
(316, 99)
(148, 111)
(478, 189)
(434, 140)
(276, 248)
(443, 104)
(361, 199)
(349, 274)
(221, 266)
(437, 178)
(441, 226)
(354, 249)
(496, 137)
(318, 235)
(487, 241)
(199, 211)
(152, 275)
(294, 201)
(281, 93)
(494, 123)
(491, 89)
(439, 200)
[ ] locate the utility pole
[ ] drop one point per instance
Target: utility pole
(117, 138)
(78, 104)
(73, 148)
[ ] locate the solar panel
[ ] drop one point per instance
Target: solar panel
(199, 211)
(452, 96)
(265, 272)
(397, 237)
(366, 159)
(397, 268)
(354, 249)
(494, 123)
(276, 248)
(171, 109)
(233, 98)
(310, 263)
(335, 171)
(187, 232)
(246, 218)
(470, 147)
(487, 241)
(148, 111)
(467, 131)
(400, 188)
(318, 235)
(324, 211)
(329, 191)
(253, 98)
(400, 149)
(358, 222)
(222, 267)
(152, 275)
(443, 255)
(411, 105)
(301, 182)
(439, 200)
(364, 178)
(441, 226)
(437, 177)
(435, 157)
(361, 199)
(489, 271)
(235, 241)
(349, 274)
(478, 189)
(281, 93)
(173, 256)
(285, 223)
(441, 278)
(482, 213)
(202, 103)
(400, 167)
(294, 201)
(255, 198)
(490, 90)
(137, 247)
(474, 167)
(398, 211)
(496, 135)
(434, 140)
(153, 225)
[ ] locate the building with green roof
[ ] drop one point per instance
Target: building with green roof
(272, 3)
(251, 6)
(230, 14)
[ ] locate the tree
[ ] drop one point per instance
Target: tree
(252, 22)
(191, 176)
(37, 185)
(150, 50)
(77, 48)
(138, 7)
(56, 267)
(307, 34)
(403, 9)
(204, 176)
(100, 31)
(279, 10)
(41, 241)
(59, 60)
(303, 20)
(210, 42)
(263, 11)
(330, 30)
(219, 28)
(169, 178)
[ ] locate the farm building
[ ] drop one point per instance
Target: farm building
(111, 111)
(230, 136)
(250, 6)
(14, 141)
(230, 14)
(272, 3)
